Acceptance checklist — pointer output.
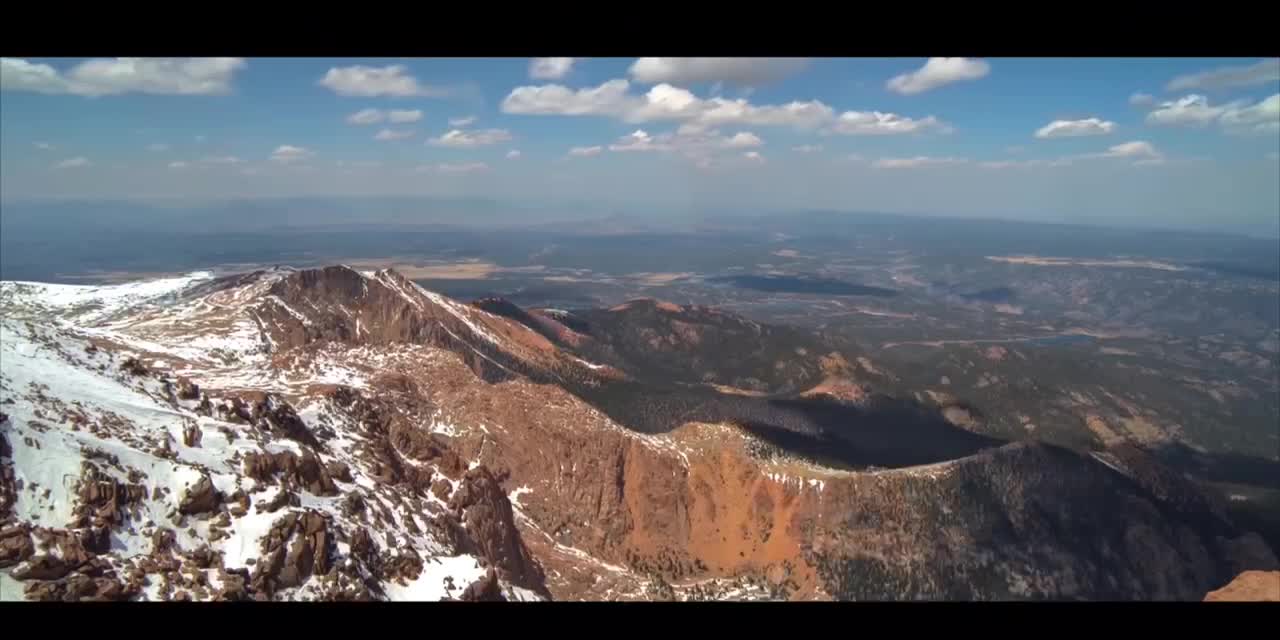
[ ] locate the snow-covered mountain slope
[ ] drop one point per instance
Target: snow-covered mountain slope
(155, 451)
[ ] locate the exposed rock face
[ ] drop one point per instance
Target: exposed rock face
(485, 589)
(57, 554)
(297, 547)
(103, 504)
(15, 544)
(346, 306)
(296, 472)
(483, 508)
(1250, 586)
(8, 481)
(200, 498)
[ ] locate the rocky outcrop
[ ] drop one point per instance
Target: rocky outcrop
(485, 511)
(8, 480)
(202, 497)
(295, 472)
(103, 503)
(134, 367)
(187, 390)
(486, 589)
(298, 546)
(1250, 586)
(339, 304)
(269, 412)
(57, 554)
(15, 544)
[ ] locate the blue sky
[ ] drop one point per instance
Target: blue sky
(1159, 142)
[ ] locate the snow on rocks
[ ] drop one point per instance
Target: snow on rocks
(440, 578)
(90, 399)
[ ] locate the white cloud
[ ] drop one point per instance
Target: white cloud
(475, 138)
(43, 146)
(17, 74)
(917, 162)
(693, 142)
(158, 147)
(1260, 118)
(1273, 155)
(797, 114)
(1141, 99)
(371, 82)
(807, 148)
(735, 71)
(178, 164)
(397, 116)
(513, 154)
(608, 99)
(1138, 150)
(1237, 117)
(393, 134)
(586, 151)
(691, 129)
(855, 123)
(367, 116)
(1193, 110)
(221, 160)
(201, 138)
(289, 153)
(549, 68)
(1263, 72)
(462, 122)
(753, 156)
(639, 140)
(114, 76)
(666, 102)
(743, 139)
(375, 116)
(938, 72)
(1075, 128)
(70, 163)
(465, 167)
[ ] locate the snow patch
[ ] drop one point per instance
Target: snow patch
(590, 365)
(514, 496)
(430, 585)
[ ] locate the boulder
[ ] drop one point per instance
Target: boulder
(202, 497)
(486, 589)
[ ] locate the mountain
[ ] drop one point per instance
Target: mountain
(338, 434)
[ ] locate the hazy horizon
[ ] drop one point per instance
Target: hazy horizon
(310, 211)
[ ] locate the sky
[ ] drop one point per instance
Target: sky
(1173, 143)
